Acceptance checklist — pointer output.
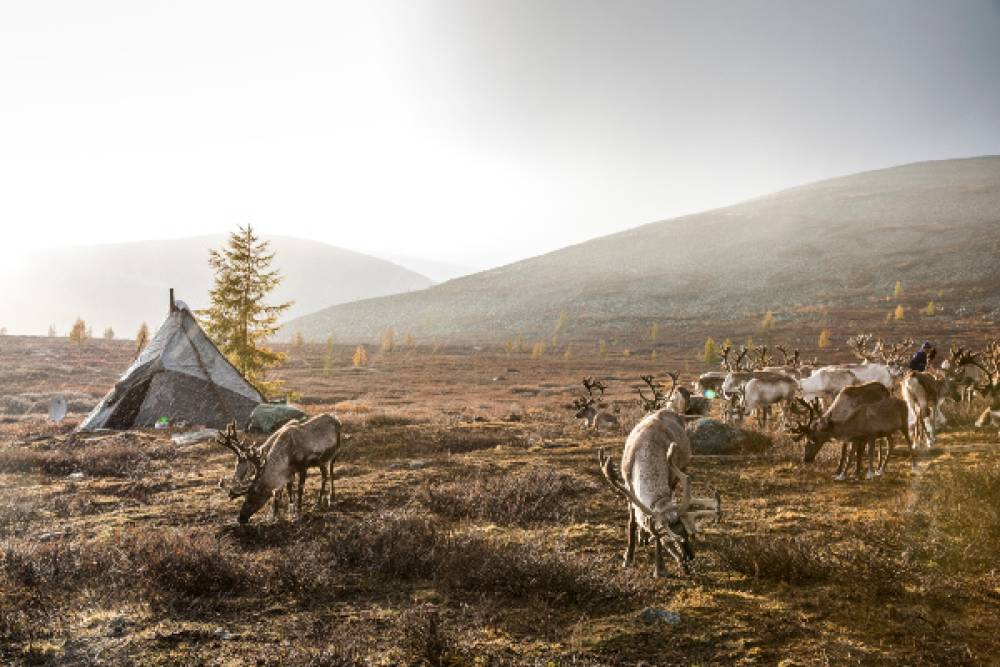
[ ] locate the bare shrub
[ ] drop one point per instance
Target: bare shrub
(956, 523)
(790, 560)
(538, 493)
(118, 457)
(424, 638)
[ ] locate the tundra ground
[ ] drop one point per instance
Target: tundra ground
(470, 526)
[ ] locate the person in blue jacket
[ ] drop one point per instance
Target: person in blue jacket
(923, 357)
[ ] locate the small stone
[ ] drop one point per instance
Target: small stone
(75, 475)
(223, 634)
(656, 615)
(117, 626)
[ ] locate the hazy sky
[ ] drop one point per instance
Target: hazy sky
(471, 132)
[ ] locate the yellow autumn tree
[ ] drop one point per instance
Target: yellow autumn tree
(78, 333)
(899, 313)
(360, 357)
(710, 354)
(768, 321)
(931, 309)
(109, 334)
(824, 339)
(897, 291)
(388, 339)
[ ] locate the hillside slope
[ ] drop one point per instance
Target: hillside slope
(121, 285)
(837, 242)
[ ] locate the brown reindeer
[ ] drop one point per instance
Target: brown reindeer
(289, 451)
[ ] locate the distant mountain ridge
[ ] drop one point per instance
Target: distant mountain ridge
(123, 284)
(840, 241)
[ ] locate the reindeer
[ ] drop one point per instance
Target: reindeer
(867, 414)
(710, 381)
(586, 407)
(924, 392)
(289, 451)
(654, 462)
(765, 389)
(965, 369)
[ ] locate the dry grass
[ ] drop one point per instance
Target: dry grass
(458, 535)
(509, 497)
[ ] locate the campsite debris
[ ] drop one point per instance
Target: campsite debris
(58, 408)
(653, 615)
(181, 373)
(192, 437)
(75, 475)
(269, 417)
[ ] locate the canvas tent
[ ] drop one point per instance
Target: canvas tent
(180, 375)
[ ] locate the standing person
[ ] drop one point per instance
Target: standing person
(923, 357)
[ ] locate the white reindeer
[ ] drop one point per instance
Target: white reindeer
(655, 461)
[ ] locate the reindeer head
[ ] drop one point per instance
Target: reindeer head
(666, 518)
(249, 462)
(582, 405)
(809, 426)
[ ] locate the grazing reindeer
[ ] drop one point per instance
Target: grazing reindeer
(659, 400)
(586, 407)
(857, 422)
(655, 460)
(287, 452)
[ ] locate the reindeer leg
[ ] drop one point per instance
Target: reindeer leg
(885, 459)
(859, 454)
(633, 529)
(324, 499)
(302, 489)
(872, 444)
(842, 466)
(660, 571)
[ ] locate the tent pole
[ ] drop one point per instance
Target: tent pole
(173, 305)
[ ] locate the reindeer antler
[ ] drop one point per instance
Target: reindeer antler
(590, 384)
(657, 401)
(862, 346)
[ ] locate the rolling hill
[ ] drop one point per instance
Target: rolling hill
(122, 285)
(935, 226)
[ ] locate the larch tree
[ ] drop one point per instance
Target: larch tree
(109, 334)
(78, 333)
(824, 339)
(710, 354)
(141, 338)
(239, 319)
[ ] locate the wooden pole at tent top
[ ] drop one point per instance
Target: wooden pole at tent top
(173, 305)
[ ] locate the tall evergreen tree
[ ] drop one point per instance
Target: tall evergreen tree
(239, 320)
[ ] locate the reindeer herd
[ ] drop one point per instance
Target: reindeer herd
(854, 404)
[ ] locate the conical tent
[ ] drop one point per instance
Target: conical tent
(180, 375)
